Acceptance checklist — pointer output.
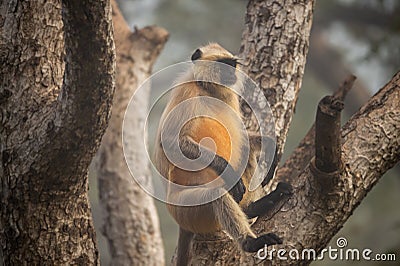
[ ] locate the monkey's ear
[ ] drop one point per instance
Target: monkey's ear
(196, 55)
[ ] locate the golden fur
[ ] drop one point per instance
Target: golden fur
(225, 130)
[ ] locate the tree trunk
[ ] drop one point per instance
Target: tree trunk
(53, 114)
(131, 223)
(275, 44)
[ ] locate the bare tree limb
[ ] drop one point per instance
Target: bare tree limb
(344, 88)
(84, 103)
(327, 135)
(131, 223)
(305, 151)
(327, 164)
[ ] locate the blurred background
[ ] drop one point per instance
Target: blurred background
(348, 36)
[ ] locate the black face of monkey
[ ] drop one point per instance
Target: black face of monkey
(226, 67)
(196, 55)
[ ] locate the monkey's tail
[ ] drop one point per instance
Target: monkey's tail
(184, 247)
(231, 218)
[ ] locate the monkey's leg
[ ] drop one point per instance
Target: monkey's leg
(184, 247)
(268, 202)
(193, 150)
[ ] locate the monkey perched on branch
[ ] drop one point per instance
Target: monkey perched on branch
(211, 138)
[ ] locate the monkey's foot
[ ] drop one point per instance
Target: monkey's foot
(251, 244)
(269, 202)
(283, 189)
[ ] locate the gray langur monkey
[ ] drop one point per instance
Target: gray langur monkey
(231, 211)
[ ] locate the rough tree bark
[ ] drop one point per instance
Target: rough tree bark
(275, 43)
(131, 223)
(57, 83)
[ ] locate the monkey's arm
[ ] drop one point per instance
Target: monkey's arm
(193, 150)
(271, 171)
(255, 141)
(267, 203)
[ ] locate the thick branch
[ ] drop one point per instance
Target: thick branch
(84, 103)
(327, 164)
(130, 219)
(327, 135)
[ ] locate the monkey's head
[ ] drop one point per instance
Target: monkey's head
(213, 63)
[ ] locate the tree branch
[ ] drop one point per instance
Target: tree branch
(131, 223)
(84, 103)
(327, 164)
(327, 135)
